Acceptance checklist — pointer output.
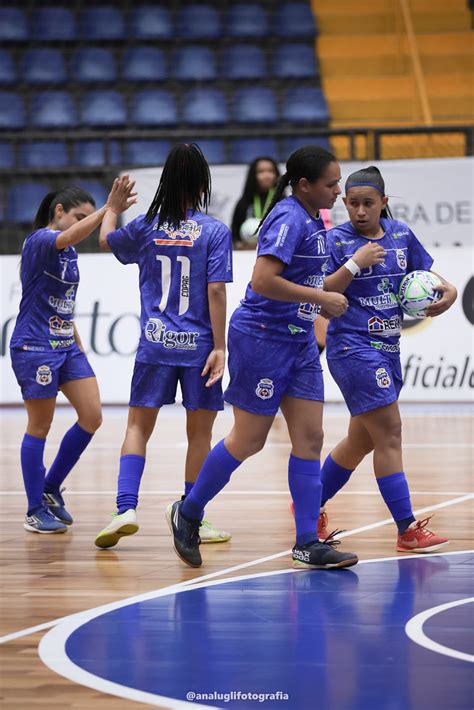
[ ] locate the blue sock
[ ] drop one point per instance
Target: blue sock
(130, 475)
(305, 487)
(188, 487)
(214, 475)
(395, 492)
(73, 444)
(333, 478)
(32, 467)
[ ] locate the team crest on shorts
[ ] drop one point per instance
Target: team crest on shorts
(43, 375)
(265, 389)
(383, 378)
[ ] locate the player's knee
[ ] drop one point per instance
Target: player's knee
(39, 429)
(199, 437)
(91, 421)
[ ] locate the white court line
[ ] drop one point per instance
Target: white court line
(229, 570)
(245, 493)
(269, 444)
(52, 648)
(414, 631)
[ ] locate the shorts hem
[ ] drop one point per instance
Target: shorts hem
(370, 408)
(251, 410)
(151, 406)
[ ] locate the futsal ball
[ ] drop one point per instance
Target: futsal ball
(417, 292)
(248, 229)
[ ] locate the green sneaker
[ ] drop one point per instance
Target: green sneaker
(121, 525)
(209, 533)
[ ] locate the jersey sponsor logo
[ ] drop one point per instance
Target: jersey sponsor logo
(33, 348)
(401, 259)
(184, 236)
(309, 311)
(58, 326)
(44, 375)
(281, 236)
(58, 344)
(386, 347)
(386, 300)
(383, 378)
(156, 332)
(66, 305)
(344, 241)
(265, 388)
(397, 235)
(294, 329)
(386, 327)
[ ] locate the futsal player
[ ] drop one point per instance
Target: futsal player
(46, 349)
(363, 349)
(185, 259)
(274, 360)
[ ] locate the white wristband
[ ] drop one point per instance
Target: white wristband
(351, 265)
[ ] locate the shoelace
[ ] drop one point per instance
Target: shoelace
(329, 540)
(421, 525)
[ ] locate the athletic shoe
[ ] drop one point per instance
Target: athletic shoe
(322, 527)
(43, 521)
(417, 538)
(185, 535)
(122, 524)
(55, 502)
(322, 555)
(209, 533)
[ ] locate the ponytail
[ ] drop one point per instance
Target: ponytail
(280, 188)
(42, 216)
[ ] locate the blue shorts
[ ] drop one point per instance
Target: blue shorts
(367, 381)
(155, 385)
(41, 374)
(263, 371)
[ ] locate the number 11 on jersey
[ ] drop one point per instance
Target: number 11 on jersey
(184, 281)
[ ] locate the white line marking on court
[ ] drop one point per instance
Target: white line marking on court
(52, 647)
(227, 570)
(414, 631)
(270, 444)
(245, 493)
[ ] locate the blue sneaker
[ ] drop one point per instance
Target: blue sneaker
(54, 501)
(43, 521)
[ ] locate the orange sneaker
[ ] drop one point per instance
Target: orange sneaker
(417, 538)
(322, 522)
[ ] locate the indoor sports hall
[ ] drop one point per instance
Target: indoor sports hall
(93, 91)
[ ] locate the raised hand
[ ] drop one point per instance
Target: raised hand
(369, 255)
(121, 196)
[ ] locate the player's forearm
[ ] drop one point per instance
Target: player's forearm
(80, 231)
(109, 224)
(279, 289)
(338, 281)
(216, 294)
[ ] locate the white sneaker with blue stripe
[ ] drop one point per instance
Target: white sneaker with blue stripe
(43, 521)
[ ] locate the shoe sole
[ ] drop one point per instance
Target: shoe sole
(177, 552)
(110, 539)
(297, 564)
(30, 528)
(215, 539)
(423, 550)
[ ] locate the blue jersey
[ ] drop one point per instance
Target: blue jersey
(293, 236)
(175, 267)
(49, 279)
(374, 317)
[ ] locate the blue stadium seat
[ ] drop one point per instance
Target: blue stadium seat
(23, 200)
(150, 22)
(53, 109)
(139, 153)
(243, 61)
(247, 20)
(43, 66)
(93, 153)
(153, 107)
(194, 63)
(295, 61)
(204, 107)
(103, 22)
(93, 64)
(255, 105)
(305, 105)
(294, 142)
(47, 154)
(7, 156)
(12, 110)
(8, 73)
(97, 189)
(53, 23)
(294, 20)
(13, 25)
(144, 64)
(198, 22)
(244, 150)
(103, 108)
(213, 149)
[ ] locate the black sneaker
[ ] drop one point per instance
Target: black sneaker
(185, 535)
(322, 555)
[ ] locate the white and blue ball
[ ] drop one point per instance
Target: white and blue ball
(417, 292)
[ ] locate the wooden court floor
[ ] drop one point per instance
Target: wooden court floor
(48, 577)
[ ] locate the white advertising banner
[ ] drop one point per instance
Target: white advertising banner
(437, 354)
